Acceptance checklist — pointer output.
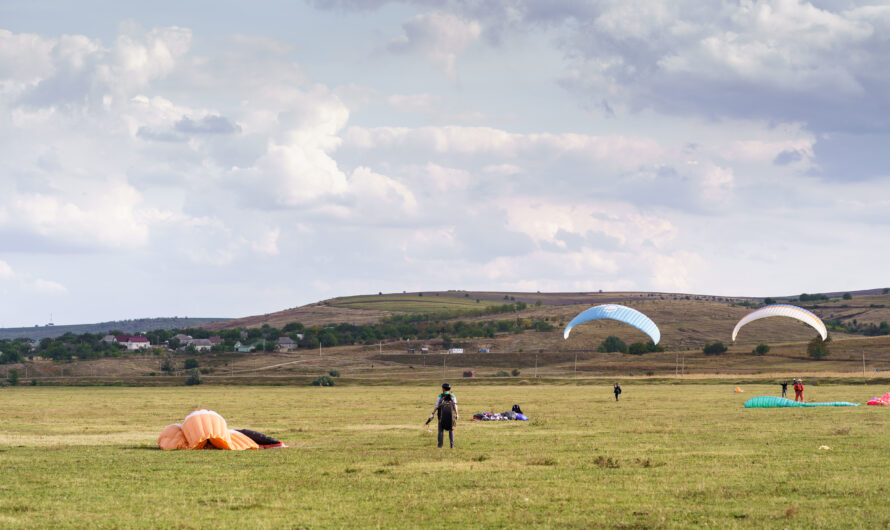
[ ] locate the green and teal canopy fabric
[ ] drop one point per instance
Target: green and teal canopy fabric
(771, 402)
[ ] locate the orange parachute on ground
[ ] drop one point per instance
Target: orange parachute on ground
(205, 429)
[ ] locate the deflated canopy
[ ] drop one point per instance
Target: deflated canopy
(621, 314)
(205, 426)
(172, 438)
(783, 310)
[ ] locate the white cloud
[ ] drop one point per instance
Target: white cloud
(5, 271)
(441, 37)
(46, 287)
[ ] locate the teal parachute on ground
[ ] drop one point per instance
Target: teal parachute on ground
(621, 314)
(771, 402)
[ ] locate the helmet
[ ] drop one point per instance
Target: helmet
(446, 386)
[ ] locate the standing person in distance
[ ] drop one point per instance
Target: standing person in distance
(452, 400)
(617, 390)
(798, 390)
(784, 387)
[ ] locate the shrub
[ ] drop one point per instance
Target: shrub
(13, 378)
(323, 381)
(817, 348)
(334, 373)
(639, 348)
(769, 301)
(167, 364)
(847, 296)
(194, 378)
(761, 349)
(515, 372)
(502, 373)
(612, 344)
(714, 349)
(191, 363)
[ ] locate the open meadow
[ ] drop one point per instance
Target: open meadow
(666, 455)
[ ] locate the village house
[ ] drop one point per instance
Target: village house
(201, 344)
(132, 342)
(245, 348)
(285, 344)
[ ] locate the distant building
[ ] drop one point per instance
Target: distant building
(456, 350)
(130, 342)
(410, 351)
(285, 344)
(108, 339)
(216, 340)
(245, 348)
(484, 350)
(201, 344)
(424, 350)
(182, 338)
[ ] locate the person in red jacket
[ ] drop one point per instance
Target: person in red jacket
(798, 390)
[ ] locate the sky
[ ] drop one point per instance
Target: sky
(224, 159)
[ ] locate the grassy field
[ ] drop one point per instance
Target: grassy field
(411, 303)
(665, 456)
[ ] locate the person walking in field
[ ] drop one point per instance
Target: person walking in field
(446, 405)
(617, 391)
(798, 390)
(784, 387)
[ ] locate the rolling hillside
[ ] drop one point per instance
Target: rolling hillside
(137, 325)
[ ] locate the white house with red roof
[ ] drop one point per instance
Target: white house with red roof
(132, 342)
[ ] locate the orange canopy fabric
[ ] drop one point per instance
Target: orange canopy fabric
(205, 429)
(205, 426)
(240, 441)
(172, 438)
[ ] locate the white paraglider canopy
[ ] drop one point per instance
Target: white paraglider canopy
(621, 314)
(783, 310)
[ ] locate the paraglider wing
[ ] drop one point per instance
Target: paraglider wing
(172, 438)
(783, 310)
(621, 314)
(205, 426)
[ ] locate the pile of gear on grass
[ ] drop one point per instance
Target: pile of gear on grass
(514, 414)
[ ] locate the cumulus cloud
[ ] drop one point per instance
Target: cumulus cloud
(440, 37)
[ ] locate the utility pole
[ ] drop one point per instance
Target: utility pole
(576, 365)
(443, 366)
(677, 365)
(536, 366)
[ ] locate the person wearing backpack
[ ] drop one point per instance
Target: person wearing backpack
(617, 391)
(452, 411)
(447, 419)
(798, 390)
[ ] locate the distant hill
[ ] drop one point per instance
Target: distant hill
(687, 321)
(125, 326)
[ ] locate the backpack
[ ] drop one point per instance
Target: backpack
(447, 414)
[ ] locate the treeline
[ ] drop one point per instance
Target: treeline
(401, 327)
(66, 347)
(457, 313)
(869, 330)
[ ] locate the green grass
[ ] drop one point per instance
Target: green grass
(666, 455)
(411, 303)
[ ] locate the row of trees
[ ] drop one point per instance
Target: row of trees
(401, 327)
(613, 344)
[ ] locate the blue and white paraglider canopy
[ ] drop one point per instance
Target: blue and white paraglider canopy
(621, 314)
